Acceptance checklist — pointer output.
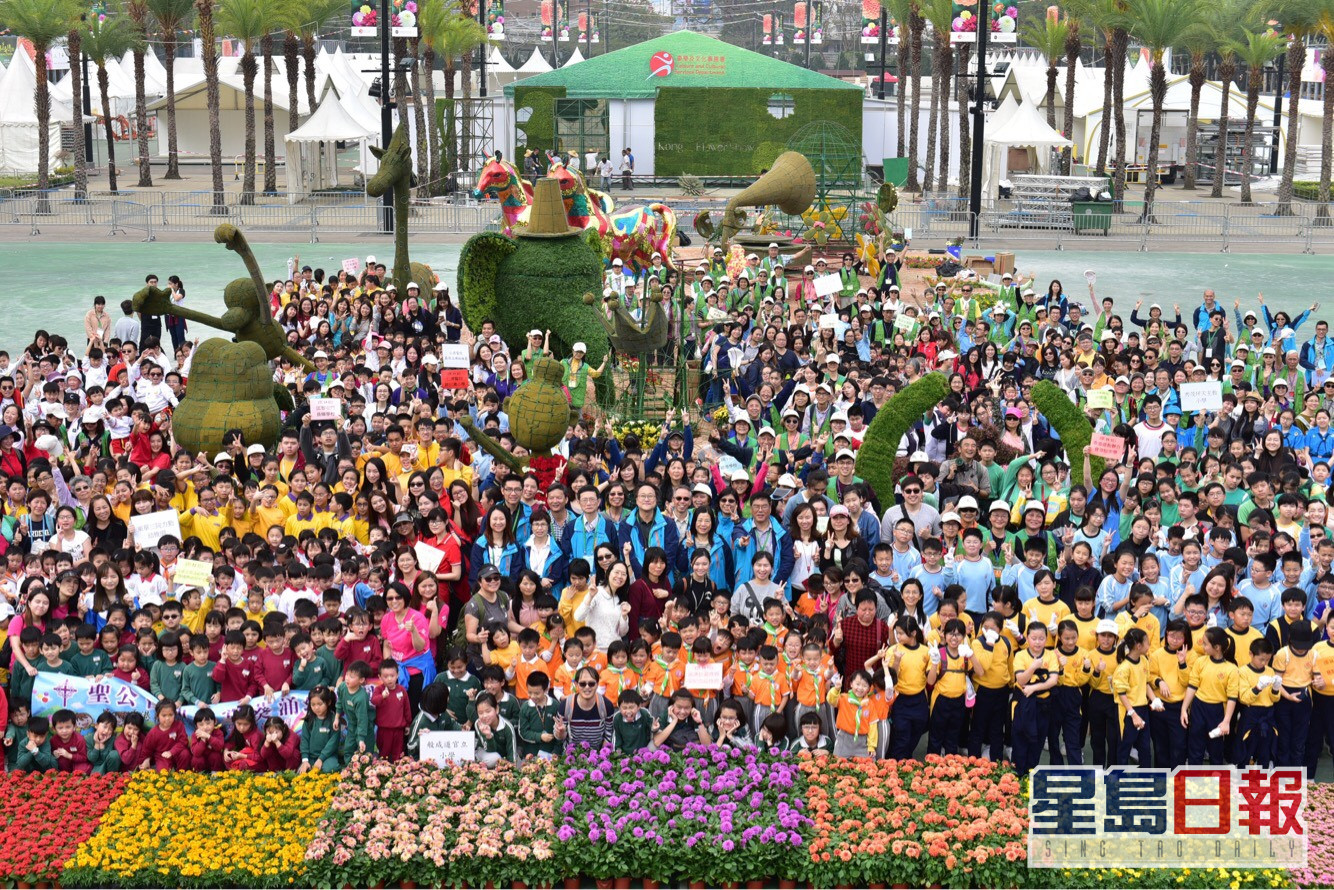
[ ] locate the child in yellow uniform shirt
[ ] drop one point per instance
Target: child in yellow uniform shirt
(1169, 672)
(1130, 685)
(1240, 612)
(1104, 722)
(1139, 613)
(991, 682)
(1211, 699)
(1085, 618)
(1065, 717)
(1259, 689)
(1036, 671)
(1045, 608)
(906, 663)
(948, 677)
(1295, 666)
(1322, 682)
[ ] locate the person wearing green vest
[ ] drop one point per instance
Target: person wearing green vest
(773, 262)
(536, 348)
(577, 373)
(849, 282)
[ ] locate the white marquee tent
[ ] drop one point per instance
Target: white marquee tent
(19, 132)
(1017, 126)
(312, 150)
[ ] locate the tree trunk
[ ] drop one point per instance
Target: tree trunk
(173, 162)
(1072, 47)
(1193, 119)
(1104, 131)
(424, 172)
(103, 89)
(1157, 91)
(248, 70)
(292, 64)
(76, 93)
(451, 141)
(141, 120)
(1254, 80)
(207, 38)
(42, 99)
(1051, 93)
(308, 54)
(432, 122)
(945, 118)
(916, 24)
(931, 125)
(965, 122)
(1296, 58)
(1227, 69)
(900, 90)
(270, 153)
(1326, 137)
(1118, 106)
(468, 117)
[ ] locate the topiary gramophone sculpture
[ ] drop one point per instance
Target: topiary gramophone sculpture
(396, 173)
(539, 413)
(231, 383)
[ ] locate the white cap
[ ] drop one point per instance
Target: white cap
(656, 256)
(581, 346)
(1237, 364)
(413, 284)
(833, 357)
(839, 510)
(617, 262)
(440, 286)
(1107, 626)
(429, 359)
(1155, 306)
(844, 452)
(809, 269)
(767, 431)
(792, 412)
(739, 476)
(893, 287)
(1005, 275)
(369, 259)
(999, 505)
(221, 456)
(919, 457)
(93, 414)
(839, 415)
(1269, 350)
(701, 488)
(535, 333)
(826, 387)
(951, 516)
(967, 502)
(1256, 332)
(787, 480)
(773, 245)
(254, 449)
(752, 256)
(1123, 379)
(320, 353)
(393, 287)
(1028, 291)
(1250, 313)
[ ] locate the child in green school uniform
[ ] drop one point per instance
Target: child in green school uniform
(541, 731)
(166, 677)
(495, 739)
(432, 717)
(632, 727)
(354, 709)
(101, 742)
(493, 682)
(87, 659)
(35, 756)
(52, 662)
(310, 671)
(462, 686)
(16, 733)
(319, 739)
(198, 687)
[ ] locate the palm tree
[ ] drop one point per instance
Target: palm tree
(109, 39)
(916, 25)
(246, 21)
(1073, 45)
(1116, 57)
(900, 11)
(138, 12)
(208, 39)
(451, 35)
(312, 16)
(965, 122)
(1158, 25)
(1300, 21)
(291, 67)
(74, 42)
(1227, 70)
(42, 22)
(1098, 16)
(939, 14)
(1327, 116)
(172, 17)
(1254, 50)
(1198, 43)
(1048, 37)
(419, 118)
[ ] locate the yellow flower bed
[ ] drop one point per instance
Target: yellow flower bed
(197, 829)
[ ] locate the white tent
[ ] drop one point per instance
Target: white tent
(575, 58)
(155, 75)
(1017, 126)
(312, 150)
(18, 118)
(536, 64)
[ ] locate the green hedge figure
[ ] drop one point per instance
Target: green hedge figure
(875, 459)
(536, 280)
(396, 173)
(1070, 424)
(231, 383)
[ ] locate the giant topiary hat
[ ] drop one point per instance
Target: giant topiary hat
(547, 217)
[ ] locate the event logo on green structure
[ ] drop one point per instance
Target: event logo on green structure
(663, 64)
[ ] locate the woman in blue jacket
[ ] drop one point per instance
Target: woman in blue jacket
(494, 546)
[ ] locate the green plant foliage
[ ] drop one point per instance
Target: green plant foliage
(479, 263)
(1070, 424)
(766, 153)
(538, 133)
(594, 241)
(721, 131)
(887, 199)
(875, 459)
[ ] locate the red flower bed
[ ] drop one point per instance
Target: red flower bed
(45, 816)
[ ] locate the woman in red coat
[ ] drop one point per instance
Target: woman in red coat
(167, 745)
(281, 747)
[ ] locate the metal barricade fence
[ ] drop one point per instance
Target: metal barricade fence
(132, 217)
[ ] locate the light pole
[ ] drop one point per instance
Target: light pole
(979, 121)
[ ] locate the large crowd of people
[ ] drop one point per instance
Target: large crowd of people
(733, 580)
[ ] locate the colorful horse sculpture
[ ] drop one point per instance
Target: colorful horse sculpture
(633, 235)
(501, 180)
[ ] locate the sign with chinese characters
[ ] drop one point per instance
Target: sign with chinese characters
(88, 695)
(443, 748)
(1205, 396)
(1189, 817)
(1103, 445)
(1100, 398)
(704, 676)
(664, 64)
(193, 573)
(149, 528)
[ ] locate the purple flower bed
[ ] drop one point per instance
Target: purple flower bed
(664, 816)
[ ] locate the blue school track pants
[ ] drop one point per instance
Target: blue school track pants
(1169, 736)
(1292, 720)
(1204, 718)
(1029, 731)
(947, 717)
(911, 716)
(1104, 727)
(1133, 739)
(1065, 715)
(1321, 731)
(1255, 737)
(991, 711)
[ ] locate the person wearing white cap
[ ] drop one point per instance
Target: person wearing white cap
(577, 373)
(772, 262)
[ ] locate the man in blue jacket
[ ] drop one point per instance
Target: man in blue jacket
(646, 527)
(588, 529)
(761, 534)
